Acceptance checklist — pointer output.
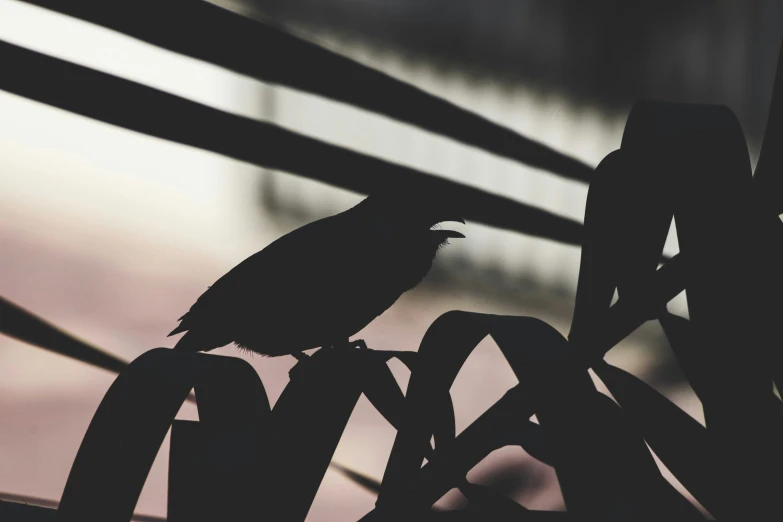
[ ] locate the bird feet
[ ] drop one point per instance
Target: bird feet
(358, 344)
(301, 360)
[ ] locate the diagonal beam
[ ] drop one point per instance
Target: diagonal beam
(150, 111)
(53, 504)
(210, 33)
(27, 327)
(20, 324)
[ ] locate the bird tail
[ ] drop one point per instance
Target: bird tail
(197, 342)
(202, 340)
(178, 329)
(188, 343)
(181, 327)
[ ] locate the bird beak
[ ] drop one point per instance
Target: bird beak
(451, 234)
(453, 219)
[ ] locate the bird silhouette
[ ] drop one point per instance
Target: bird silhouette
(322, 283)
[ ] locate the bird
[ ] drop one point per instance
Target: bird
(322, 283)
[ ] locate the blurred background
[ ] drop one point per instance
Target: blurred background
(112, 235)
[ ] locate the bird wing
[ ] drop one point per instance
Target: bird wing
(297, 274)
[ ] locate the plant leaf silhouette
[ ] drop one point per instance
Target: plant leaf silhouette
(693, 358)
(477, 515)
(134, 416)
(509, 479)
(53, 504)
(558, 387)
(25, 326)
(489, 503)
(681, 443)
(700, 155)
(627, 218)
(505, 480)
(20, 324)
(381, 389)
(383, 392)
(499, 426)
(370, 484)
(768, 185)
(533, 439)
(319, 400)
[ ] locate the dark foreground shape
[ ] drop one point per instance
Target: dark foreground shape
(130, 424)
(240, 461)
(16, 512)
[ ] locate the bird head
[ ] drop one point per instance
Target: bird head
(415, 211)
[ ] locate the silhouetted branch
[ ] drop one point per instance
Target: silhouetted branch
(681, 442)
(623, 319)
(253, 48)
(20, 324)
(556, 389)
(473, 515)
(143, 109)
(25, 326)
(53, 504)
(136, 413)
(308, 420)
(370, 484)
